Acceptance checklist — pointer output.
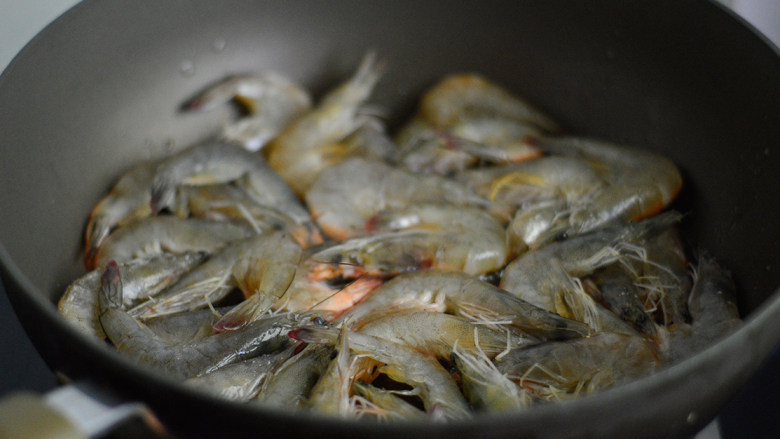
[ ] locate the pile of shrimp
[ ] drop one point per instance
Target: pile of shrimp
(476, 261)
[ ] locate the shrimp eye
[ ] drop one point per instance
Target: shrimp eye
(319, 321)
(562, 236)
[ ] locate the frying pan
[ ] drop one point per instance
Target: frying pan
(98, 91)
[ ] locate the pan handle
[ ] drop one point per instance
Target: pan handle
(73, 411)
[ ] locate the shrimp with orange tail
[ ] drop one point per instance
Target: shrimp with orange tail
(639, 183)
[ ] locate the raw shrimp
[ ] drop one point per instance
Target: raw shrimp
(332, 393)
(143, 278)
(384, 404)
(391, 253)
(311, 142)
(404, 364)
(227, 202)
(581, 365)
(347, 195)
(713, 307)
(445, 151)
(240, 381)
(486, 388)
(545, 178)
(541, 275)
(214, 163)
(461, 294)
(666, 279)
(545, 191)
(370, 141)
(127, 201)
(471, 96)
(306, 293)
(186, 327)
(262, 266)
(184, 360)
(437, 333)
(160, 234)
(271, 100)
(616, 290)
(640, 183)
(475, 242)
(290, 384)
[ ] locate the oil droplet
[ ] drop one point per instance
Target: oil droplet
(692, 417)
(768, 268)
(219, 45)
(187, 68)
(766, 151)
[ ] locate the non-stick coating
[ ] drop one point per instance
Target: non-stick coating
(98, 91)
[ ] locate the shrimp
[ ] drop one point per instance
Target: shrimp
(306, 293)
(127, 201)
(384, 404)
(471, 96)
(186, 327)
(215, 163)
(485, 387)
(534, 278)
(616, 289)
(261, 265)
(404, 364)
(438, 333)
(170, 234)
(290, 384)
(227, 202)
(370, 141)
(464, 295)
(391, 253)
(347, 195)
(445, 151)
(475, 243)
(271, 100)
(665, 279)
(640, 183)
(544, 191)
(143, 278)
(543, 179)
(185, 360)
(713, 307)
(581, 365)
(242, 380)
(311, 142)
(331, 394)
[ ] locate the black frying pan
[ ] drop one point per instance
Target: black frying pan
(98, 91)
